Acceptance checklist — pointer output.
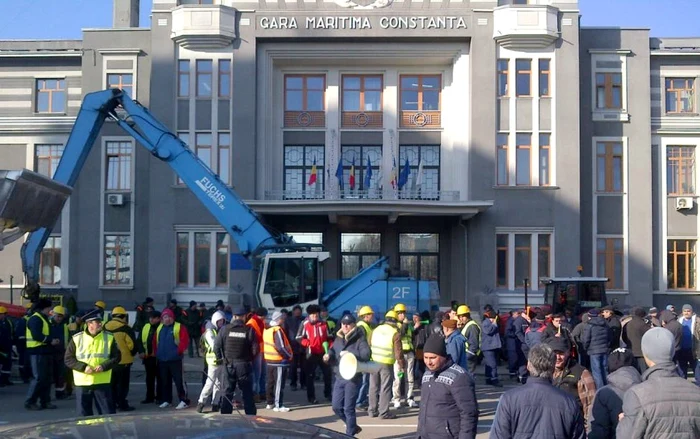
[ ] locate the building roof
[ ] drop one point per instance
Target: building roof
(40, 48)
(675, 46)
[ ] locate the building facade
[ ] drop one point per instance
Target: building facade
(481, 144)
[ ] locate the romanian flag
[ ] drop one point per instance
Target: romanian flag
(352, 175)
(394, 177)
(314, 172)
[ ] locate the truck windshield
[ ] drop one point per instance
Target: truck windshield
(291, 281)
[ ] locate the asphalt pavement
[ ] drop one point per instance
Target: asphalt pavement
(13, 414)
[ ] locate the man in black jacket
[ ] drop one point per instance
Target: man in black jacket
(537, 409)
(448, 396)
(632, 335)
(613, 322)
(670, 321)
(596, 341)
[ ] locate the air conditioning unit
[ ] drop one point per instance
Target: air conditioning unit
(684, 203)
(115, 199)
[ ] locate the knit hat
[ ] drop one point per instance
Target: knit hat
(653, 309)
(276, 316)
(239, 311)
(540, 316)
(435, 345)
(618, 358)
(560, 344)
(687, 307)
(593, 312)
(658, 345)
(168, 312)
(155, 314)
(670, 307)
(348, 319)
(452, 324)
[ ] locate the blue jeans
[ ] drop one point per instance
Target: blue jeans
(599, 369)
(259, 372)
(343, 402)
(491, 366)
(363, 394)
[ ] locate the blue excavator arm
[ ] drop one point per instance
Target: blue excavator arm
(242, 223)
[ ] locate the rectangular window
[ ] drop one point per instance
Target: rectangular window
(543, 255)
(522, 265)
(608, 91)
(680, 95)
(680, 170)
(502, 67)
(502, 260)
(419, 255)
(299, 165)
(117, 260)
(183, 256)
(203, 147)
(307, 237)
(423, 158)
(50, 262)
(357, 251)
(420, 92)
(122, 81)
(224, 78)
(545, 169)
(222, 257)
(681, 264)
(502, 159)
(522, 159)
(183, 78)
(521, 255)
(362, 93)
(47, 158)
(202, 258)
(51, 96)
(118, 175)
(364, 179)
(304, 92)
(611, 255)
(609, 167)
(224, 161)
(523, 78)
(204, 77)
(544, 77)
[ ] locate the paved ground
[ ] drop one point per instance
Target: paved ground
(13, 414)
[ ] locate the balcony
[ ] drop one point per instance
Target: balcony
(304, 119)
(199, 27)
(362, 119)
(525, 27)
(421, 119)
(362, 196)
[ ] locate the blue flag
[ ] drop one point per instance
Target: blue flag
(403, 175)
(339, 173)
(368, 175)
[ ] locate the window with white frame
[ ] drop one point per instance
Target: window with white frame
(202, 259)
(118, 165)
(523, 254)
(122, 81)
(609, 86)
(117, 260)
(610, 256)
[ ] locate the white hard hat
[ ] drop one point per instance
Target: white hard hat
(217, 316)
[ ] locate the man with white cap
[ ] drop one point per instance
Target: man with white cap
(212, 386)
(278, 356)
(664, 404)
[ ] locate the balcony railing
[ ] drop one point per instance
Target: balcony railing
(357, 195)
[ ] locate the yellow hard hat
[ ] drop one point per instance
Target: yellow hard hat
(119, 311)
(59, 310)
(101, 304)
(400, 307)
(462, 310)
(391, 315)
(365, 310)
(3, 310)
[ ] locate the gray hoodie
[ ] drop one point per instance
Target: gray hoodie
(607, 404)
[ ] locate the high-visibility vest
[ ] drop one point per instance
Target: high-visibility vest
(368, 330)
(176, 333)
(383, 344)
(92, 351)
(209, 356)
(466, 343)
(31, 343)
(66, 335)
(407, 339)
(270, 350)
(144, 337)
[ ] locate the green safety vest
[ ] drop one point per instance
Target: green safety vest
(368, 330)
(383, 344)
(31, 343)
(466, 343)
(176, 333)
(209, 356)
(407, 338)
(92, 351)
(144, 337)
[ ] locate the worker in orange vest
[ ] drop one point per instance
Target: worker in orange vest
(278, 356)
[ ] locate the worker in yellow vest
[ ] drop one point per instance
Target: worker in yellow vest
(278, 356)
(405, 327)
(365, 322)
(148, 357)
(40, 346)
(386, 350)
(126, 341)
(472, 332)
(59, 330)
(92, 354)
(212, 386)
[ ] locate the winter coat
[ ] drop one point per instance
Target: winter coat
(615, 331)
(550, 332)
(448, 409)
(537, 410)
(632, 335)
(291, 326)
(490, 337)
(607, 404)
(596, 336)
(456, 348)
(125, 338)
(664, 405)
(354, 342)
(533, 336)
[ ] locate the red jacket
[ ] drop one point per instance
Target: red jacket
(181, 346)
(312, 336)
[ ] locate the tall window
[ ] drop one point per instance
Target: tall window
(680, 170)
(522, 159)
(544, 248)
(122, 81)
(51, 96)
(200, 263)
(224, 162)
(681, 264)
(517, 249)
(304, 92)
(502, 159)
(117, 260)
(424, 169)
(224, 78)
(608, 90)
(419, 255)
(523, 248)
(299, 164)
(544, 77)
(609, 166)
(222, 258)
(502, 67)
(362, 93)
(202, 258)
(523, 78)
(611, 261)
(357, 251)
(361, 156)
(118, 175)
(502, 260)
(47, 158)
(680, 95)
(204, 77)
(545, 168)
(420, 93)
(50, 263)
(183, 78)
(203, 147)
(183, 256)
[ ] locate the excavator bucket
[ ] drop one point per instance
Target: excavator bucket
(29, 200)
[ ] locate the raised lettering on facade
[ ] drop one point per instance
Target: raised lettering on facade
(351, 23)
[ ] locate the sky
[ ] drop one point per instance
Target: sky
(64, 19)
